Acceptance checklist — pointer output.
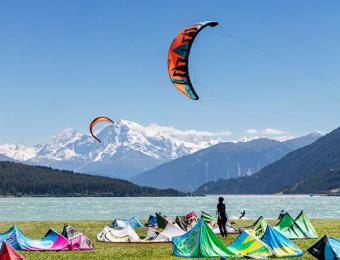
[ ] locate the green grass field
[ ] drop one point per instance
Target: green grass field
(133, 251)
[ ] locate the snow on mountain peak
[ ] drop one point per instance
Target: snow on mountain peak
(60, 147)
(277, 138)
(155, 141)
(18, 151)
(67, 135)
(316, 133)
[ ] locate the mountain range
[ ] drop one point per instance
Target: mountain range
(127, 148)
(225, 160)
(157, 156)
(314, 168)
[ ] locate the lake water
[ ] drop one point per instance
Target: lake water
(15, 209)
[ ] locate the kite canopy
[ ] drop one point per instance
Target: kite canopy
(78, 241)
(290, 228)
(207, 217)
(258, 228)
(122, 223)
(11, 237)
(280, 245)
(326, 248)
(304, 223)
(162, 220)
(250, 246)
(180, 221)
(200, 241)
(152, 221)
(9, 253)
(52, 241)
(125, 235)
(171, 231)
(191, 215)
(97, 120)
(128, 235)
(178, 58)
(187, 222)
(166, 235)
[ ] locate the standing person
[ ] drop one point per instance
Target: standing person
(222, 217)
(282, 213)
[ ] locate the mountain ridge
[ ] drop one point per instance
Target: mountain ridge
(316, 165)
(222, 161)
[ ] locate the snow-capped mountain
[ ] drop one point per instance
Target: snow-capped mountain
(17, 152)
(127, 148)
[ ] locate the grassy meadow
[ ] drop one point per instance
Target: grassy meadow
(36, 230)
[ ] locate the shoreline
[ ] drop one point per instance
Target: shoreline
(184, 196)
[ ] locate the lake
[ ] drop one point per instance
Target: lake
(16, 209)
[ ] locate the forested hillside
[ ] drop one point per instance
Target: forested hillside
(23, 180)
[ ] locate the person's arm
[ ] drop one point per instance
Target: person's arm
(218, 212)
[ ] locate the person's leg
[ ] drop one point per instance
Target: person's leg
(224, 227)
(220, 226)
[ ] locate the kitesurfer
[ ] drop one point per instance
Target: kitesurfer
(222, 217)
(243, 213)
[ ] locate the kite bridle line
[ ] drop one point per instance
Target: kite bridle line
(227, 34)
(210, 96)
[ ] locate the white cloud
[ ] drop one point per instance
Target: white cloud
(284, 138)
(175, 131)
(273, 131)
(247, 138)
(251, 131)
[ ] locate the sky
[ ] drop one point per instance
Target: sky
(269, 67)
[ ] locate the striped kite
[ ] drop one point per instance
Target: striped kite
(97, 120)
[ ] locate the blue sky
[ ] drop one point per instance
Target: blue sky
(64, 62)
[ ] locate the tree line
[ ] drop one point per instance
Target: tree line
(25, 180)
